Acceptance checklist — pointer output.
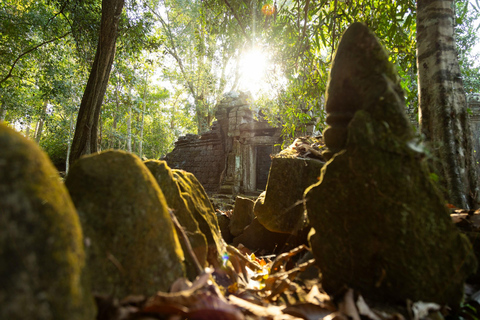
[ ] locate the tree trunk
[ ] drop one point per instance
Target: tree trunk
(40, 123)
(142, 124)
(85, 139)
(113, 132)
(27, 128)
(100, 131)
(69, 146)
(129, 128)
(3, 111)
(202, 115)
(113, 136)
(442, 103)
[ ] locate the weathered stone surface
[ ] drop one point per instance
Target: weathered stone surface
(469, 225)
(170, 189)
(280, 208)
(242, 215)
(41, 251)
(381, 226)
(203, 212)
(133, 247)
(202, 155)
(224, 225)
(257, 238)
(350, 92)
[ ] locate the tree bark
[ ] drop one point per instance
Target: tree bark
(140, 144)
(27, 128)
(442, 103)
(129, 128)
(40, 123)
(113, 133)
(85, 139)
(69, 147)
(3, 111)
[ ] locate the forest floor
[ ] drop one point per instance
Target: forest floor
(279, 287)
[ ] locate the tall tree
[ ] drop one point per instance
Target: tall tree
(442, 102)
(85, 138)
(201, 49)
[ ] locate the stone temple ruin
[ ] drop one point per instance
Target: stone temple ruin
(234, 156)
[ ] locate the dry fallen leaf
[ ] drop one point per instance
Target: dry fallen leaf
(308, 311)
(364, 309)
(315, 296)
(422, 309)
(199, 300)
(267, 312)
(347, 305)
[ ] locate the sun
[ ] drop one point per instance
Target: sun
(253, 67)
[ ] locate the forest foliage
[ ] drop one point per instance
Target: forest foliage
(176, 58)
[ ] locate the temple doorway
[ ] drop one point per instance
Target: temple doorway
(263, 162)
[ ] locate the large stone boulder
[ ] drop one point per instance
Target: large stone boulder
(175, 200)
(280, 208)
(132, 244)
(202, 210)
(242, 215)
(224, 225)
(41, 251)
(380, 224)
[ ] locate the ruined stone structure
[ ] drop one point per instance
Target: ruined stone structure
(234, 156)
(474, 106)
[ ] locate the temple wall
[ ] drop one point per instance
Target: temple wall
(201, 155)
(234, 154)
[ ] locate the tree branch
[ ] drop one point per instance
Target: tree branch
(173, 50)
(236, 18)
(58, 13)
(27, 52)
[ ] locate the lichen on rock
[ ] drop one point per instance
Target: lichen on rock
(380, 224)
(202, 209)
(280, 208)
(242, 215)
(173, 195)
(41, 251)
(132, 244)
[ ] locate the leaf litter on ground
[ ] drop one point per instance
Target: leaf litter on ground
(250, 287)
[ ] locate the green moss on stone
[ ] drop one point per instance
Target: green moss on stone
(169, 186)
(133, 247)
(281, 208)
(202, 209)
(41, 250)
(381, 225)
(242, 215)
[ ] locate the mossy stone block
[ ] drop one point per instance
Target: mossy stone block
(242, 215)
(41, 250)
(173, 195)
(382, 227)
(133, 246)
(280, 208)
(380, 224)
(257, 238)
(224, 223)
(203, 212)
